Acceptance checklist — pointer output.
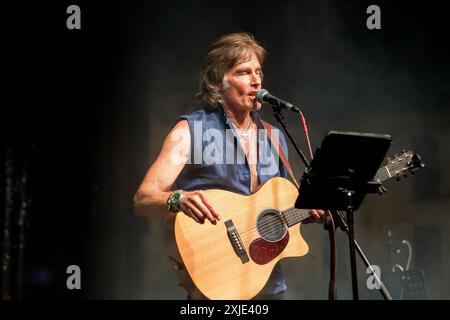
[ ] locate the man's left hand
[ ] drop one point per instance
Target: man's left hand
(318, 215)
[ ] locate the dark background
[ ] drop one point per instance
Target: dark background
(86, 110)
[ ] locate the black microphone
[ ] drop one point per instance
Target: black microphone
(264, 96)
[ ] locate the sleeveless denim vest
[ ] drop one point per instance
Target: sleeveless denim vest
(217, 161)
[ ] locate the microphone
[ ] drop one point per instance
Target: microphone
(264, 96)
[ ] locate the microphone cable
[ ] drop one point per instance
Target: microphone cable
(305, 129)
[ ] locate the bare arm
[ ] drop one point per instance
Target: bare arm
(151, 196)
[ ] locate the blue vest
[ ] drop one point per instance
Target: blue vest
(217, 161)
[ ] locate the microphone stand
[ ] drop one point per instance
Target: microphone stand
(280, 118)
(348, 229)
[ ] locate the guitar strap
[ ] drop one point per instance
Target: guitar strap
(280, 151)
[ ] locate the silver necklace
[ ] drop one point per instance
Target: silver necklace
(243, 134)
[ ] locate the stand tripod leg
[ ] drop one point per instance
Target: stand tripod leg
(338, 217)
(382, 288)
(352, 254)
(351, 244)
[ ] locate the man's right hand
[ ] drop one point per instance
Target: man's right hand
(195, 205)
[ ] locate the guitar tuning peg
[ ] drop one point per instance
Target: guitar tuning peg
(389, 159)
(396, 155)
(403, 151)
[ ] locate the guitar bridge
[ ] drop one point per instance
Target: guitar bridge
(236, 241)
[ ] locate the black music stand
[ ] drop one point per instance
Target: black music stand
(341, 174)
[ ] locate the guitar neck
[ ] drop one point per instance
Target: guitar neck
(293, 215)
(407, 161)
(382, 174)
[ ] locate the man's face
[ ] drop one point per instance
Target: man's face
(240, 85)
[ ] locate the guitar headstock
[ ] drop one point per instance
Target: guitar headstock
(402, 165)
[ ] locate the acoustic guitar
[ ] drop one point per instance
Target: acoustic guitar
(234, 258)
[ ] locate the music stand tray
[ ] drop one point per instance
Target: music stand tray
(345, 161)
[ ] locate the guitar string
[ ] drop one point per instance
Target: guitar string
(272, 222)
(265, 228)
(395, 167)
(289, 214)
(248, 238)
(269, 223)
(292, 213)
(382, 174)
(298, 214)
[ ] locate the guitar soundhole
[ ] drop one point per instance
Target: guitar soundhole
(271, 226)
